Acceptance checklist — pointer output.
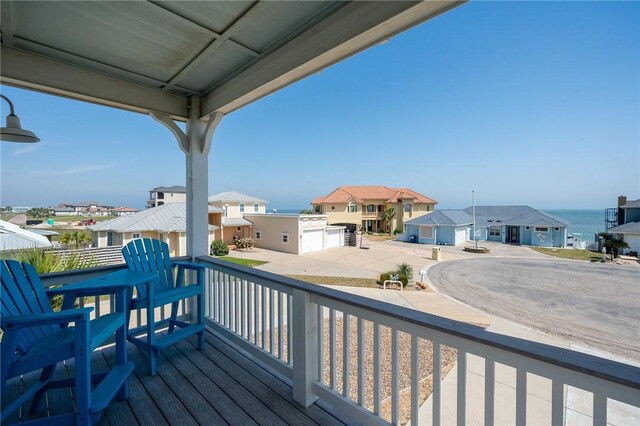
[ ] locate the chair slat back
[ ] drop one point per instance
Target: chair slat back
(150, 255)
(23, 294)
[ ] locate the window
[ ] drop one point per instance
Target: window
(426, 231)
(226, 210)
(542, 229)
(160, 195)
(285, 238)
(134, 236)
(556, 229)
(407, 208)
(371, 208)
(258, 235)
(495, 231)
(527, 227)
(351, 208)
(241, 208)
(256, 206)
(318, 209)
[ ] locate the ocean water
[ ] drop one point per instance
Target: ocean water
(585, 222)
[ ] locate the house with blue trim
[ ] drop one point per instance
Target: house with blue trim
(445, 227)
(506, 224)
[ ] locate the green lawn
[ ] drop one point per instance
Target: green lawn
(244, 262)
(570, 253)
(338, 281)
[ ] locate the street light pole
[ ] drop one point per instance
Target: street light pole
(473, 208)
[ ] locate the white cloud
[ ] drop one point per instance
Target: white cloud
(24, 150)
(75, 170)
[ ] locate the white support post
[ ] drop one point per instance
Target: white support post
(305, 347)
(196, 144)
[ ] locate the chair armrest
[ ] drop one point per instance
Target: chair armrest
(189, 265)
(36, 320)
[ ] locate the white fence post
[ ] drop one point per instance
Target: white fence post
(304, 329)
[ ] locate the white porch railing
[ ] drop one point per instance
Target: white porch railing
(311, 334)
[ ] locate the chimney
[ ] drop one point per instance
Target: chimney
(622, 200)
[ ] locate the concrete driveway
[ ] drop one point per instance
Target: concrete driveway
(594, 303)
(337, 262)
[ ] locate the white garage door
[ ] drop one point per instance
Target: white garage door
(461, 236)
(312, 240)
(633, 241)
(335, 238)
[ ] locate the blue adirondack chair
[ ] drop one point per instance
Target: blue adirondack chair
(151, 255)
(37, 338)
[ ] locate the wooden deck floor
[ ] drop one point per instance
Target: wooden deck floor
(219, 386)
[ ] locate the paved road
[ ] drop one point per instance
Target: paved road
(591, 303)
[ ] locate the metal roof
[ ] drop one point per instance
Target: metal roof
(235, 221)
(170, 217)
(235, 197)
(443, 218)
(12, 237)
(633, 204)
(513, 215)
(627, 228)
(154, 56)
(175, 188)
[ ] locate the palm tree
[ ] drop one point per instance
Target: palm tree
(75, 237)
(389, 214)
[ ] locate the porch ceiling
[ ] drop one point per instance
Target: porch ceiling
(154, 55)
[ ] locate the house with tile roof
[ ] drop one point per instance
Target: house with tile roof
(362, 207)
(167, 223)
(506, 224)
(234, 205)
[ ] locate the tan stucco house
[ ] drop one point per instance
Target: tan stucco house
(234, 206)
(167, 223)
(362, 207)
(166, 195)
(295, 233)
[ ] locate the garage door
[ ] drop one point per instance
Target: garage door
(461, 236)
(312, 241)
(633, 241)
(335, 238)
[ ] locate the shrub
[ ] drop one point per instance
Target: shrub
(243, 243)
(406, 270)
(397, 231)
(387, 276)
(219, 248)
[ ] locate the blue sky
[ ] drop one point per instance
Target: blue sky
(527, 103)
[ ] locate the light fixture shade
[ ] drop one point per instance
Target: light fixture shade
(15, 133)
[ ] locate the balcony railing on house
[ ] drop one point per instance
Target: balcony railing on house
(371, 214)
(379, 363)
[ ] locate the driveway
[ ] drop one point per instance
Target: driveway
(592, 303)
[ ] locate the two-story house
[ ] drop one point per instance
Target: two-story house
(362, 207)
(627, 218)
(234, 205)
(167, 194)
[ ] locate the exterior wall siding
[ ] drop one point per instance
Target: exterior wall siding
(631, 215)
(271, 229)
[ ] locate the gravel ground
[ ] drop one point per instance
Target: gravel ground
(404, 362)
